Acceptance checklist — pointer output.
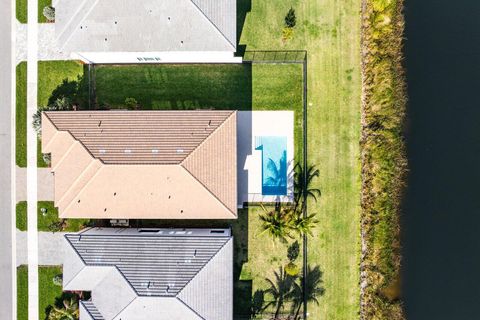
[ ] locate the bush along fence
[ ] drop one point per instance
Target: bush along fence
(383, 158)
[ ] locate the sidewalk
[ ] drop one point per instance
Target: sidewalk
(47, 45)
(45, 188)
(50, 248)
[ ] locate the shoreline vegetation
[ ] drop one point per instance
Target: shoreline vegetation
(383, 158)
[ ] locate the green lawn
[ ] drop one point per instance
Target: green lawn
(217, 86)
(330, 31)
(22, 292)
(21, 215)
(22, 12)
(51, 75)
(21, 115)
(48, 292)
(46, 221)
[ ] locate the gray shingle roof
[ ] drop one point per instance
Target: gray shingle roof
(92, 310)
(146, 25)
(194, 267)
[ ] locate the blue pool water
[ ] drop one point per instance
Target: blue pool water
(274, 164)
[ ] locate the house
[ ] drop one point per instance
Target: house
(143, 164)
(147, 31)
(154, 274)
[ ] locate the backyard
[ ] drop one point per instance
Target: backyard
(330, 31)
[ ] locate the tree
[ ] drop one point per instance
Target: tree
(49, 13)
(293, 251)
(280, 289)
(305, 225)
(290, 19)
(303, 190)
(59, 104)
(313, 290)
(258, 301)
(277, 223)
(68, 310)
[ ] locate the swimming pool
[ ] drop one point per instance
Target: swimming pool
(274, 164)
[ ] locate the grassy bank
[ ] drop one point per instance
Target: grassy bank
(383, 157)
(330, 31)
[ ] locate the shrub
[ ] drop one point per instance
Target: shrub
(383, 156)
(58, 280)
(49, 13)
(131, 103)
(47, 158)
(293, 251)
(292, 269)
(287, 33)
(290, 19)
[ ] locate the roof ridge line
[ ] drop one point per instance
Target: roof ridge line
(78, 254)
(210, 191)
(186, 305)
(208, 137)
(213, 24)
(75, 139)
(70, 22)
(209, 260)
(92, 162)
(81, 190)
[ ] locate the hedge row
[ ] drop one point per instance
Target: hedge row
(383, 157)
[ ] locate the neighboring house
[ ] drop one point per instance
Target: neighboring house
(131, 31)
(143, 164)
(175, 274)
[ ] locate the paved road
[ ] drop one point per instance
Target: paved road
(6, 160)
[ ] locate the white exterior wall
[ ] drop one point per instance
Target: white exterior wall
(158, 57)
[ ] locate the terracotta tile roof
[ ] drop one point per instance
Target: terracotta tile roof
(143, 164)
(139, 137)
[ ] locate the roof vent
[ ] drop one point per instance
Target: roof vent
(179, 150)
(128, 151)
(154, 150)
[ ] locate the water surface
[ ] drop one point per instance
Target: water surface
(441, 220)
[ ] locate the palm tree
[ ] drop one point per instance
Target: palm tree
(313, 289)
(277, 223)
(303, 189)
(69, 311)
(280, 289)
(305, 225)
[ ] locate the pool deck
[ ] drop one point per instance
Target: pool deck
(251, 124)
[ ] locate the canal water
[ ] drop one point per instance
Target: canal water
(441, 214)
